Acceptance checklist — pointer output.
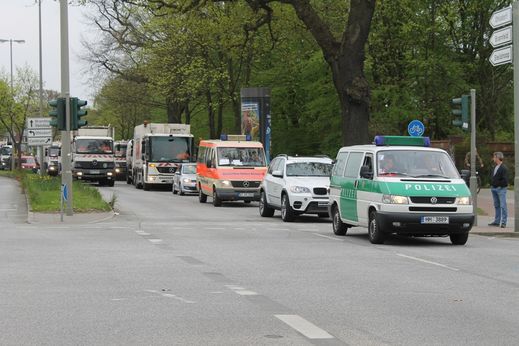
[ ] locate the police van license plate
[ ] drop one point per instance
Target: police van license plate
(246, 194)
(435, 219)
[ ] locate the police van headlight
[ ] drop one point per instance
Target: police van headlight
(299, 189)
(464, 201)
(393, 199)
(226, 183)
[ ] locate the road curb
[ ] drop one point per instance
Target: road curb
(498, 234)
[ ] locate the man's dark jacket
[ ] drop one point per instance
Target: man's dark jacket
(500, 179)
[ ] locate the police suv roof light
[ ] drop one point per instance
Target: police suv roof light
(402, 141)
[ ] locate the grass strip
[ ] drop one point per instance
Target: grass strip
(44, 193)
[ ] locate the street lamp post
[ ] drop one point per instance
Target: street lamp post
(12, 87)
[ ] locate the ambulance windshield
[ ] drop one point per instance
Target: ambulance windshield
(251, 157)
(415, 164)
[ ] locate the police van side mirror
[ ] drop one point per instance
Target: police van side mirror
(366, 172)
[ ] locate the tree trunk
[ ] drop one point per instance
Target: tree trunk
(236, 108)
(187, 112)
(220, 119)
(210, 114)
(174, 110)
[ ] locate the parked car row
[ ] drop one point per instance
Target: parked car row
(398, 185)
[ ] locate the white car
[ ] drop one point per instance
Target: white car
(184, 180)
(296, 185)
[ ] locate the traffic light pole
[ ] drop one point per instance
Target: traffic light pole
(515, 57)
(473, 182)
(66, 174)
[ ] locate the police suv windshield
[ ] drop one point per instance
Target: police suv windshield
(254, 157)
(415, 164)
(309, 169)
(94, 146)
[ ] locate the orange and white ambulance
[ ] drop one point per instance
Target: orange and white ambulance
(230, 169)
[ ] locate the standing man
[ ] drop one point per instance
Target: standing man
(498, 185)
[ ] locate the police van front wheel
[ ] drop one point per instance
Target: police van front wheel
(375, 234)
(339, 227)
(459, 239)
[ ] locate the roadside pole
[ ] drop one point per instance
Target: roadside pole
(473, 182)
(66, 174)
(41, 148)
(515, 57)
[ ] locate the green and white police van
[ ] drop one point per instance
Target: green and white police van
(399, 185)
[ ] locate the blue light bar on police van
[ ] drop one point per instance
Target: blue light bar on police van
(225, 137)
(402, 141)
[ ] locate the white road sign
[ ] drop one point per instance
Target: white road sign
(35, 141)
(501, 37)
(38, 123)
(501, 56)
(39, 133)
(501, 17)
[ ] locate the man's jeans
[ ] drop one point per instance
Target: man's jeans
(499, 195)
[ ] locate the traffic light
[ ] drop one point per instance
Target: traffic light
(77, 113)
(58, 114)
(463, 111)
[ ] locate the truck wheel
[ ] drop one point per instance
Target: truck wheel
(128, 179)
(202, 198)
(459, 239)
(375, 234)
(287, 213)
(146, 187)
(264, 209)
(102, 182)
(217, 202)
(111, 183)
(339, 227)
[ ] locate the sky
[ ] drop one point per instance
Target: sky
(19, 20)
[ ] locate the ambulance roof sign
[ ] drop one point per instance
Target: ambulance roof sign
(501, 17)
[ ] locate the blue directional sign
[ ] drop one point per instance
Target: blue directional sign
(64, 191)
(416, 128)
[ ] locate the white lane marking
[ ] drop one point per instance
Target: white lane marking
(155, 240)
(169, 295)
(217, 292)
(234, 287)
(215, 228)
(278, 229)
(308, 329)
(246, 293)
(327, 237)
(428, 262)
(142, 233)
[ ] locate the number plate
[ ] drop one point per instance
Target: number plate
(246, 194)
(95, 172)
(435, 219)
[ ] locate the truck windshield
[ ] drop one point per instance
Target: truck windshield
(94, 146)
(309, 169)
(170, 149)
(54, 151)
(416, 164)
(5, 151)
(252, 157)
(120, 150)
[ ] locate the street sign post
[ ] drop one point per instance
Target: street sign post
(35, 141)
(38, 123)
(416, 128)
(501, 37)
(501, 17)
(501, 56)
(39, 133)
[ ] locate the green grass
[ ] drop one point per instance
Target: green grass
(45, 196)
(481, 212)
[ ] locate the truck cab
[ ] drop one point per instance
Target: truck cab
(93, 159)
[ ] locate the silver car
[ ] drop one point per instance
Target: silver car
(184, 180)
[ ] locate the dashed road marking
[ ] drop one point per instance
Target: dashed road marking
(427, 261)
(142, 233)
(246, 293)
(173, 296)
(327, 237)
(155, 240)
(308, 329)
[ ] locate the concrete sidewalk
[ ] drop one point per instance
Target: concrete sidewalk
(76, 219)
(486, 204)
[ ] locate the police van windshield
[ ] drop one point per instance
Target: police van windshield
(309, 169)
(252, 157)
(94, 146)
(415, 164)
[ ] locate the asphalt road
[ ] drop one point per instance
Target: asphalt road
(171, 271)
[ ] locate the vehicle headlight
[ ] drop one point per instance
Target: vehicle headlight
(186, 180)
(393, 199)
(299, 189)
(225, 183)
(464, 201)
(52, 168)
(117, 170)
(109, 174)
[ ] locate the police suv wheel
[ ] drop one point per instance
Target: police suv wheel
(287, 213)
(459, 239)
(264, 209)
(339, 227)
(375, 234)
